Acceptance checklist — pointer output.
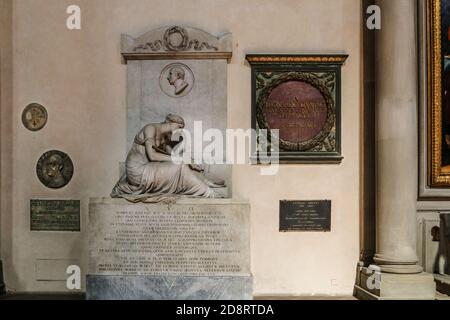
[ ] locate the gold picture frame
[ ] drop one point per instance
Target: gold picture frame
(438, 174)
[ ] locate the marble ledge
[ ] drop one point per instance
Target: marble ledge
(182, 201)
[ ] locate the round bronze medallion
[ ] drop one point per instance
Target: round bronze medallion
(54, 169)
(34, 117)
(300, 107)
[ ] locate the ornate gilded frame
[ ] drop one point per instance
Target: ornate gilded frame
(434, 185)
(433, 19)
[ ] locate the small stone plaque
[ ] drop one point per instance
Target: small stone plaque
(55, 215)
(309, 215)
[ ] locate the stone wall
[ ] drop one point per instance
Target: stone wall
(80, 78)
(5, 129)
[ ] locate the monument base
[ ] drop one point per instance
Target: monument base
(390, 286)
(169, 288)
(193, 249)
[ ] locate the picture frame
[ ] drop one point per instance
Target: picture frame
(437, 100)
(434, 103)
(300, 96)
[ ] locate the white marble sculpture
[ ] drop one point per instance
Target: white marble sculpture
(151, 175)
(176, 79)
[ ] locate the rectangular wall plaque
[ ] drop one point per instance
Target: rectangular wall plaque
(55, 215)
(305, 215)
(196, 239)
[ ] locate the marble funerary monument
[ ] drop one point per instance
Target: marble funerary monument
(172, 231)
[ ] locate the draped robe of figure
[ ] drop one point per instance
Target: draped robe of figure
(155, 181)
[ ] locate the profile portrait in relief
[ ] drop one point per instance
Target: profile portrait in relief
(176, 80)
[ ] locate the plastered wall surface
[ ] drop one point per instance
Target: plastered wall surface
(5, 126)
(80, 78)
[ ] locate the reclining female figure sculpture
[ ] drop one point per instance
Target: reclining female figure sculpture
(152, 176)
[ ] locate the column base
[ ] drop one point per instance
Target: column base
(404, 266)
(372, 285)
(400, 269)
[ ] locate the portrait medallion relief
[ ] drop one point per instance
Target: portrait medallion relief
(54, 169)
(177, 80)
(34, 117)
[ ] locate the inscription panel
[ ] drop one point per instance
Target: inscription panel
(305, 215)
(297, 109)
(162, 240)
(55, 215)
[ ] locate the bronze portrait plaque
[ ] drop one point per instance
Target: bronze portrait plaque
(34, 117)
(297, 99)
(54, 169)
(55, 215)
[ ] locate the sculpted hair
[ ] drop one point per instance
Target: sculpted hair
(179, 72)
(173, 118)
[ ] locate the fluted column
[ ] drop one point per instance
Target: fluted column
(396, 125)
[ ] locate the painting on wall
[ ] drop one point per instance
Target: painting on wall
(438, 98)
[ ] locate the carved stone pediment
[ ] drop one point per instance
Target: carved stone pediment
(176, 42)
